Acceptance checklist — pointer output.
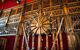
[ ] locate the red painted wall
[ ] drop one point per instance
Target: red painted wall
(11, 3)
(65, 41)
(50, 40)
(36, 42)
(43, 42)
(10, 42)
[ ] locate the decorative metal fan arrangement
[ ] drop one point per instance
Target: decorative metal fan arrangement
(38, 24)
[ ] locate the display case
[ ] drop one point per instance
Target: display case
(12, 25)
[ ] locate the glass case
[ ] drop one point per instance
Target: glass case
(12, 25)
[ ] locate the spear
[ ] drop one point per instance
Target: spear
(25, 37)
(58, 32)
(8, 18)
(21, 24)
(7, 21)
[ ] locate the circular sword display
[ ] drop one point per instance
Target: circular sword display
(40, 25)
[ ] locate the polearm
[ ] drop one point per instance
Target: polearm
(50, 19)
(54, 39)
(39, 36)
(6, 24)
(32, 33)
(20, 29)
(25, 36)
(58, 32)
(8, 18)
